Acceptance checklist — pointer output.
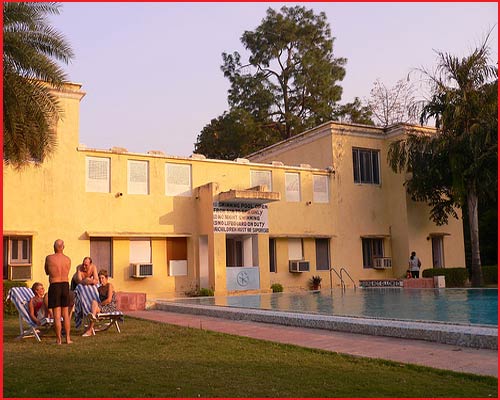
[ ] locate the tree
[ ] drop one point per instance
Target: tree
(30, 48)
(457, 166)
(289, 82)
(234, 134)
(392, 105)
(356, 113)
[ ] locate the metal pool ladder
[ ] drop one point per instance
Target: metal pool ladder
(342, 282)
(347, 273)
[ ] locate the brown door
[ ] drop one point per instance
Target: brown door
(100, 251)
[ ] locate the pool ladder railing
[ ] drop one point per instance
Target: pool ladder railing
(342, 282)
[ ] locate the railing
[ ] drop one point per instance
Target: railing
(342, 284)
(382, 262)
(347, 273)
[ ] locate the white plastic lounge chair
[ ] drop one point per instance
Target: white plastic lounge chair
(84, 294)
(21, 296)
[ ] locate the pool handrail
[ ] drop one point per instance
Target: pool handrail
(352, 280)
(342, 283)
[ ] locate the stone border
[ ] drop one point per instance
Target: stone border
(459, 335)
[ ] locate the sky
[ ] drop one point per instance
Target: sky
(151, 71)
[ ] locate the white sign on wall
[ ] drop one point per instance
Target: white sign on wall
(240, 218)
(242, 278)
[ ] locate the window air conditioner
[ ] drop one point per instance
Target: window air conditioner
(142, 270)
(298, 266)
(20, 272)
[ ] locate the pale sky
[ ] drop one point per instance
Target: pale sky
(152, 74)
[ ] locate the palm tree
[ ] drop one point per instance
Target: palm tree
(457, 165)
(31, 49)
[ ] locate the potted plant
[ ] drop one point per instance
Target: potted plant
(315, 282)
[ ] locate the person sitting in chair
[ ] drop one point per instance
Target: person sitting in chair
(38, 304)
(107, 300)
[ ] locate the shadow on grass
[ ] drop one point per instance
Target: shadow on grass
(150, 359)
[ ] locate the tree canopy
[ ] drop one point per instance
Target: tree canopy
(30, 50)
(392, 105)
(288, 84)
(458, 165)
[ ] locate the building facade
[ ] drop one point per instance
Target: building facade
(165, 225)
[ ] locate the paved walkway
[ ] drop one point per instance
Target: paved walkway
(430, 354)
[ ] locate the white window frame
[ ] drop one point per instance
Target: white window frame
(135, 182)
(323, 196)
(174, 187)
(98, 184)
(19, 260)
(261, 177)
(292, 186)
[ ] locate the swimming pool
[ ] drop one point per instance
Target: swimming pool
(456, 306)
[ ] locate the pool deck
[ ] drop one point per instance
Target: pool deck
(412, 351)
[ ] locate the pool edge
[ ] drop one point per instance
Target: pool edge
(459, 335)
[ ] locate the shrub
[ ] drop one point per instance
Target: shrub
(277, 287)
(490, 274)
(8, 307)
(454, 277)
(197, 292)
(206, 292)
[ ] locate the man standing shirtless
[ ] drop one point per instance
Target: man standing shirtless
(57, 267)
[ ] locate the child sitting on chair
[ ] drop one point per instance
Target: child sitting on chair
(107, 300)
(38, 304)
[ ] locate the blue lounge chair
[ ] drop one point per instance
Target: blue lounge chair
(20, 297)
(84, 294)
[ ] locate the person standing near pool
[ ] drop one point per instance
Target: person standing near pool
(57, 267)
(414, 264)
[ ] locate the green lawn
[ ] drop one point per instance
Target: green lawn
(157, 360)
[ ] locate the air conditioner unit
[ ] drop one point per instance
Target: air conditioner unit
(20, 272)
(142, 270)
(298, 266)
(382, 262)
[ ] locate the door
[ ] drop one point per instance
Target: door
(437, 252)
(100, 252)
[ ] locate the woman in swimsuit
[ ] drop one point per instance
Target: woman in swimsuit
(107, 300)
(37, 307)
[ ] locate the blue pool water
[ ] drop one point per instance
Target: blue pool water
(462, 306)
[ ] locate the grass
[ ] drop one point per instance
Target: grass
(150, 359)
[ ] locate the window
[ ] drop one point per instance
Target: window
(366, 166)
(295, 251)
(97, 174)
(178, 179)
(17, 258)
(177, 256)
(320, 189)
(372, 248)
(261, 178)
(140, 251)
(292, 186)
(322, 254)
(138, 177)
(272, 255)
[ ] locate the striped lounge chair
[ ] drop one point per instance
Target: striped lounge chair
(84, 294)
(20, 297)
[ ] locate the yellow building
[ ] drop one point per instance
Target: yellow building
(165, 225)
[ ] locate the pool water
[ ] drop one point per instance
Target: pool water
(462, 306)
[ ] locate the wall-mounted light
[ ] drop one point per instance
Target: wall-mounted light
(119, 194)
(308, 203)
